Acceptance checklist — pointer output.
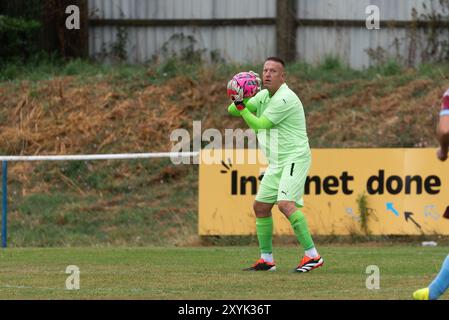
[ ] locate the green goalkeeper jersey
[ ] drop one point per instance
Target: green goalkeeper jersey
(287, 140)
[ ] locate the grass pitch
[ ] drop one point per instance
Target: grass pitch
(214, 273)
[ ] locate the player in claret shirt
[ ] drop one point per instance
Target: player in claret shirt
(440, 284)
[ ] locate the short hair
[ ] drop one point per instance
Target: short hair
(276, 59)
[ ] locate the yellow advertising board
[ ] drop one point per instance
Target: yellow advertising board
(406, 193)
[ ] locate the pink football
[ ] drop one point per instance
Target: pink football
(248, 82)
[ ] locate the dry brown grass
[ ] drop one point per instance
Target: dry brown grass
(62, 116)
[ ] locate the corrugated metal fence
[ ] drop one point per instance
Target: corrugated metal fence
(154, 28)
(233, 43)
(353, 41)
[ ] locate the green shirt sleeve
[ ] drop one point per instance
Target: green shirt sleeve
(232, 110)
(254, 122)
(250, 104)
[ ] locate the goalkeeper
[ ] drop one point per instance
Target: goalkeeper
(277, 116)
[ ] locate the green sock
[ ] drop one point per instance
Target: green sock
(264, 229)
(299, 225)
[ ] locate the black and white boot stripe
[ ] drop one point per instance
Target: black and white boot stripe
(310, 265)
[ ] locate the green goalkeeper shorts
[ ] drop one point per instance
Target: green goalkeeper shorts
(285, 183)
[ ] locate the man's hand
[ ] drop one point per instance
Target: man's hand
(236, 94)
(442, 154)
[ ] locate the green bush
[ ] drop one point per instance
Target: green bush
(390, 68)
(18, 38)
(331, 63)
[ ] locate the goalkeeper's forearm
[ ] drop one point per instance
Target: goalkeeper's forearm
(233, 111)
(249, 104)
(254, 122)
